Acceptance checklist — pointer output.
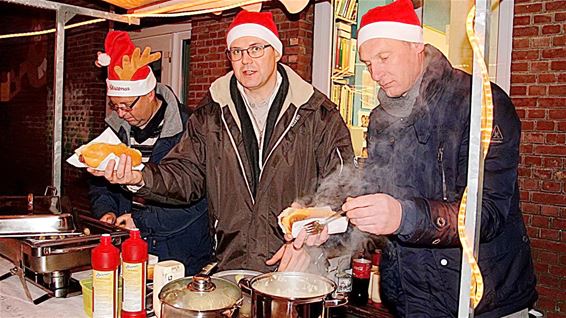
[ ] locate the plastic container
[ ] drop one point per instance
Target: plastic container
(105, 260)
(86, 285)
(134, 275)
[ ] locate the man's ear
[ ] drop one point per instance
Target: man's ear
(151, 95)
(277, 57)
(418, 46)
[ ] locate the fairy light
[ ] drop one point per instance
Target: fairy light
(153, 14)
(477, 286)
(42, 32)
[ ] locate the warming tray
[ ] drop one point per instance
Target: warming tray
(36, 225)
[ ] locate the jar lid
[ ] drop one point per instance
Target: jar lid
(200, 293)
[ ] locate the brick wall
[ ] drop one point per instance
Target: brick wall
(538, 89)
(28, 116)
(208, 43)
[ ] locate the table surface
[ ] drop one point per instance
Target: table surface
(14, 304)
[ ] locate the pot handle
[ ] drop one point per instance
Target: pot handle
(245, 286)
(335, 302)
(230, 312)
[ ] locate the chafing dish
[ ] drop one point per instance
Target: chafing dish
(47, 259)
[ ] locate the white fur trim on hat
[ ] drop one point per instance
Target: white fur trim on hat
(390, 30)
(131, 88)
(259, 31)
(103, 59)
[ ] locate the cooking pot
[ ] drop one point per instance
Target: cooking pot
(200, 296)
(291, 294)
(245, 310)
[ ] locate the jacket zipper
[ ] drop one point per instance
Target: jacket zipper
(440, 158)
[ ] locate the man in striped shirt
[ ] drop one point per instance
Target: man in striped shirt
(148, 116)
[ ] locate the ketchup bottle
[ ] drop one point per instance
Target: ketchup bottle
(134, 271)
(105, 260)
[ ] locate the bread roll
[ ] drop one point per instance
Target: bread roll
(294, 216)
(93, 154)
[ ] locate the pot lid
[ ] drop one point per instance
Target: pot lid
(293, 285)
(200, 293)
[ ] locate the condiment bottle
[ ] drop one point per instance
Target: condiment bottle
(374, 279)
(134, 267)
(105, 260)
(361, 268)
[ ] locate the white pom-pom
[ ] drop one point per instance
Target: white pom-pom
(103, 59)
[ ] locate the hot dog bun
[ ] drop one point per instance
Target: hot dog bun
(292, 217)
(93, 154)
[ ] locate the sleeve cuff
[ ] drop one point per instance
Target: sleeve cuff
(135, 188)
(408, 219)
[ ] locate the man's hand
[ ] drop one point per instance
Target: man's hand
(377, 213)
(123, 175)
(109, 217)
(126, 221)
(292, 257)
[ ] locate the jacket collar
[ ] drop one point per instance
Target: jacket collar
(299, 93)
(432, 87)
(172, 124)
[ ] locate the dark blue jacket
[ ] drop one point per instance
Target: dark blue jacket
(178, 233)
(422, 161)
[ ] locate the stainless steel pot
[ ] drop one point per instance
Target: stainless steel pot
(291, 294)
(200, 296)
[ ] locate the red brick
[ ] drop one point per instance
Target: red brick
(552, 102)
(562, 259)
(530, 208)
(560, 16)
(545, 257)
(529, 184)
(544, 125)
(559, 40)
(546, 78)
(518, 90)
(557, 114)
(541, 268)
(541, 42)
(542, 19)
(551, 29)
(550, 234)
(527, 125)
(540, 221)
(559, 271)
(551, 186)
(527, 8)
(533, 161)
(548, 198)
(515, 78)
(559, 150)
(524, 172)
(559, 90)
(519, 66)
(535, 113)
(562, 126)
(554, 53)
(537, 90)
(547, 245)
(533, 232)
(558, 65)
(522, 43)
(555, 5)
(559, 224)
(555, 138)
(549, 210)
(521, 55)
(551, 162)
(522, 20)
(525, 148)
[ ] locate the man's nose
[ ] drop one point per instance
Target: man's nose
(246, 58)
(376, 73)
(121, 112)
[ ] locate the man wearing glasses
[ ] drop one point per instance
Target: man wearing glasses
(148, 116)
(261, 138)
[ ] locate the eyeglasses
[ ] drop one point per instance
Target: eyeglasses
(254, 51)
(123, 106)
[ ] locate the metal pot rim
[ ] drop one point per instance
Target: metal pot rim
(299, 300)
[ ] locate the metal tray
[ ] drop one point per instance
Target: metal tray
(36, 225)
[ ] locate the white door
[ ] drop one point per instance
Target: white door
(158, 43)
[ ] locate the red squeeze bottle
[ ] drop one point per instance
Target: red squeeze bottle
(134, 271)
(105, 260)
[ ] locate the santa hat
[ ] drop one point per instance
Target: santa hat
(396, 20)
(258, 24)
(128, 71)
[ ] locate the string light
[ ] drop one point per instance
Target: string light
(477, 286)
(190, 13)
(42, 32)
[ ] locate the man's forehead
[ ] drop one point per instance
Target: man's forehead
(246, 41)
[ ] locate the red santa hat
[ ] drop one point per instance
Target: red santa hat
(396, 20)
(258, 24)
(128, 70)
